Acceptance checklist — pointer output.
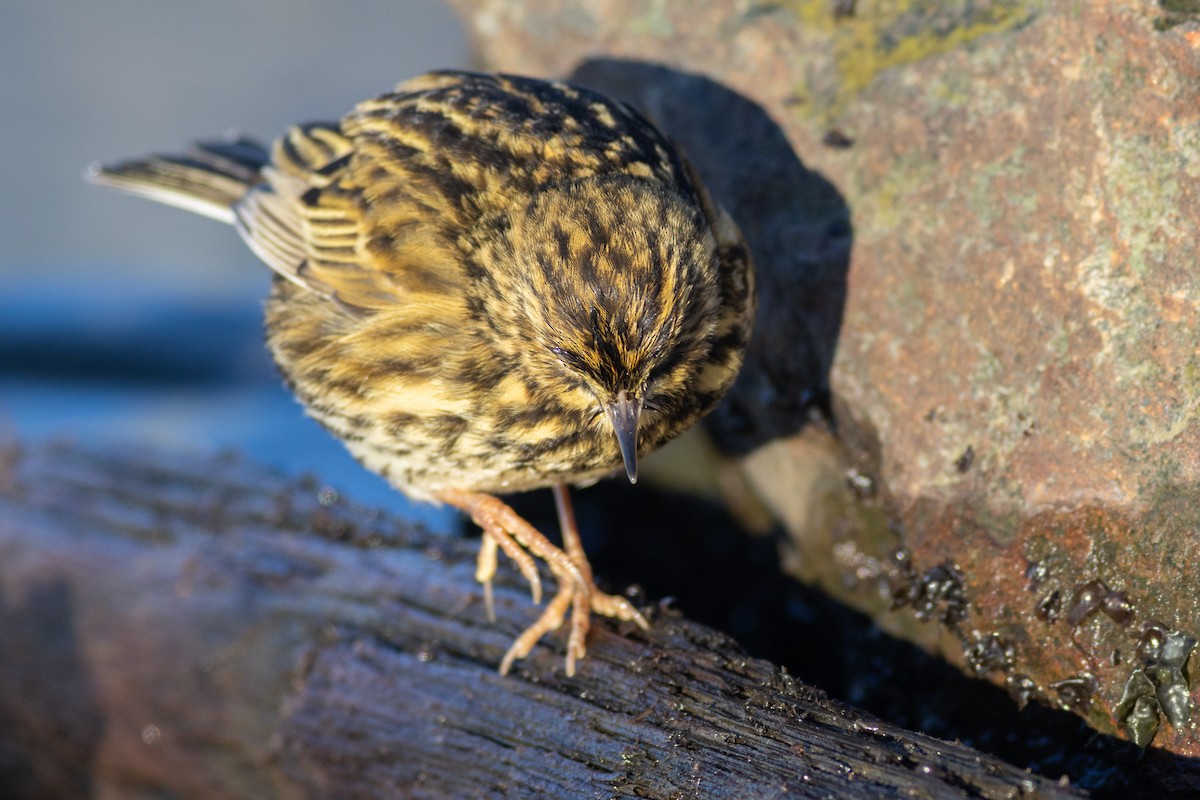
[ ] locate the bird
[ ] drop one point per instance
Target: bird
(485, 284)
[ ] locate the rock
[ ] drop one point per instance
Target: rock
(976, 227)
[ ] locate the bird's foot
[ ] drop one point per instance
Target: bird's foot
(584, 599)
(504, 529)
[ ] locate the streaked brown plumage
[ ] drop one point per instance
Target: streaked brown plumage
(486, 284)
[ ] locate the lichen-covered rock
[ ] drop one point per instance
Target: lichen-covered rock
(978, 229)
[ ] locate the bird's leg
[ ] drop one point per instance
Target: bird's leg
(504, 529)
(594, 600)
(494, 534)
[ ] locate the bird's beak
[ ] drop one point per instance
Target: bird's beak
(623, 413)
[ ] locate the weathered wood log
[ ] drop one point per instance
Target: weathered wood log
(200, 627)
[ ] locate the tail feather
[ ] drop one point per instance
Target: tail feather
(208, 179)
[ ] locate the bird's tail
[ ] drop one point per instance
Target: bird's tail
(208, 179)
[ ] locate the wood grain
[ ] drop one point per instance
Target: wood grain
(198, 627)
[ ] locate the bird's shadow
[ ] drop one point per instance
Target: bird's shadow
(797, 226)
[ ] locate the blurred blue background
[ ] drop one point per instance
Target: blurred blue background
(122, 320)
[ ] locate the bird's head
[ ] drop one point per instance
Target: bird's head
(619, 293)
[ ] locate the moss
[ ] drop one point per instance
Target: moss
(1180, 6)
(892, 191)
(1191, 378)
(1177, 406)
(654, 22)
(1176, 13)
(895, 32)
(1060, 344)
(1142, 181)
(987, 203)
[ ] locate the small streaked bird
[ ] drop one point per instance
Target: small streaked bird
(486, 284)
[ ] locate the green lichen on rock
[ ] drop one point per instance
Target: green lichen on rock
(892, 33)
(1176, 12)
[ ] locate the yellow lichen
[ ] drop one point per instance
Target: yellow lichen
(890, 33)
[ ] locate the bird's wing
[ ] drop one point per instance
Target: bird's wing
(272, 217)
(387, 205)
(346, 221)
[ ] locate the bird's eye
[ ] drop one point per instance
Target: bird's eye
(568, 357)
